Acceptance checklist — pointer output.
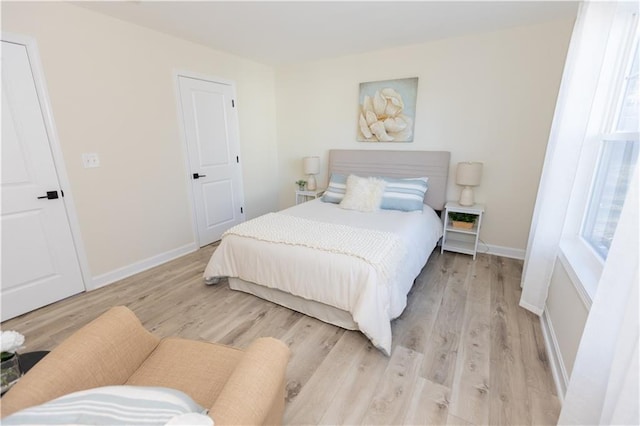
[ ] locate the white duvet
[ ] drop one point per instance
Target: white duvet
(336, 279)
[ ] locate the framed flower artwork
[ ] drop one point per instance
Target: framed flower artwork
(387, 110)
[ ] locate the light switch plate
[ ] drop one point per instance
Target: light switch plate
(90, 159)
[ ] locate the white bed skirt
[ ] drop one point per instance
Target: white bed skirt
(318, 310)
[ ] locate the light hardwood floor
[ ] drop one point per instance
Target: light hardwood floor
(464, 352)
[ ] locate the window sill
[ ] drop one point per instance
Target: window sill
(583, 267)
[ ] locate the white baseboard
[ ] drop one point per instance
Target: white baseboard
(531, 308)
(143, 265)
(496, 250)
(503, 251)
(558, 369)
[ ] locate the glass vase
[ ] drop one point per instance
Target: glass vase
(9, 372)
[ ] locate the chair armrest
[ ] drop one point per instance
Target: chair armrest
(104, 352)
(254, 393)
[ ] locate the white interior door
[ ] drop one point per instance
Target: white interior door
(39, 260)
(210, 125)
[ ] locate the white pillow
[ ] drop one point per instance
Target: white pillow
(363, 194)
(190, 419)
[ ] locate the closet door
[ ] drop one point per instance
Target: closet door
(39, 260)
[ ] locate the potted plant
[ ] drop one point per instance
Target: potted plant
(301, 184)
(10, 342)
(462, 220)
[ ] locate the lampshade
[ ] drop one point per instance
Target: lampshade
(469, 173)
(311, 165)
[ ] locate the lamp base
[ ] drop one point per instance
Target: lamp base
(311, 183)
(466, 197)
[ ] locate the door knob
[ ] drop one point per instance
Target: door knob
(51, 195)
(198, 176)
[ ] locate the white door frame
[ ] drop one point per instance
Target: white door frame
(185, 149)
(56, 151)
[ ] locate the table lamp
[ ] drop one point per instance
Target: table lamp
(468, 175)
(311, 167)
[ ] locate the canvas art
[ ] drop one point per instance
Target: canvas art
(387, 110)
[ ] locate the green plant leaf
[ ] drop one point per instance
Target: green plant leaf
(463, 217)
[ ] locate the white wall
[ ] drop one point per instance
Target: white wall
(486, 97)
(112, 92)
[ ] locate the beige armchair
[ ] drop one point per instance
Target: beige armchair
(239, 386)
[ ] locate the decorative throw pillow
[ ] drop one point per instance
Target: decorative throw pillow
(336, 188)
(404, 194)
(363, 194)
(115, 405)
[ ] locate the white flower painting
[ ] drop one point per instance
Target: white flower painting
(387, 110)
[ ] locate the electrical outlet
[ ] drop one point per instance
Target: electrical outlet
(90, 159)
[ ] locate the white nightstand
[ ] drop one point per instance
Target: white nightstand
(459, 239)
(302, 196)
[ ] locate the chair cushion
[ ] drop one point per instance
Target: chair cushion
(113, 405)
(199, 369)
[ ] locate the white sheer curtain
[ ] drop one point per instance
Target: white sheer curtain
(604, 382)
(603, 388)
(585, 57)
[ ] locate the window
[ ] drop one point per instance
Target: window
(614, 171)
(593, 149)
(627, 120)
(617, 160)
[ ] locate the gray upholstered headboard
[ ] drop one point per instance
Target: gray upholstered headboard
(397, 164)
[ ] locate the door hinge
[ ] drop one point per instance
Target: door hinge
(241, 210)
(237, 159)
(233, 103)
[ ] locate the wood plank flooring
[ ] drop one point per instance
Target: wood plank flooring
(463, 351)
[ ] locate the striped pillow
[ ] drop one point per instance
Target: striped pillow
(114, 405)
(404, 194)
(336, 189)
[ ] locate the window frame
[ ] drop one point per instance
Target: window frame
(579, 258)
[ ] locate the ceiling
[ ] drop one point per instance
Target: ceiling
(277, 33)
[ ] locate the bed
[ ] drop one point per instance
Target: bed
(349, 268)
